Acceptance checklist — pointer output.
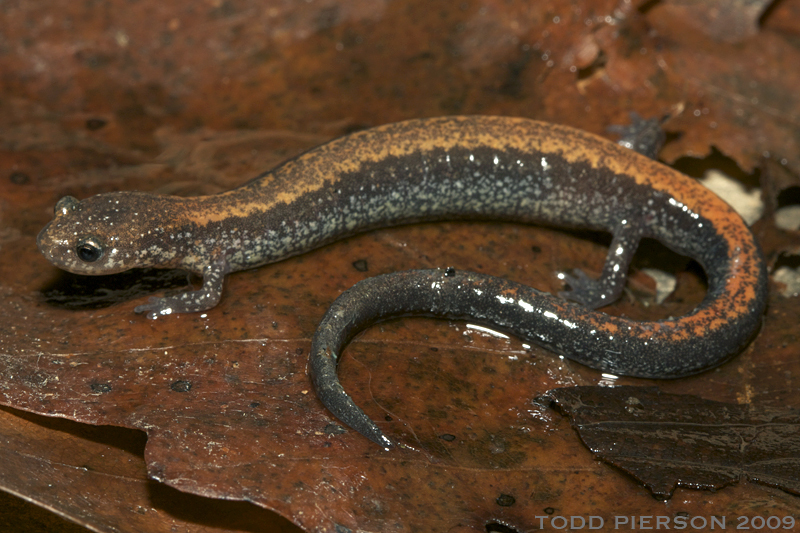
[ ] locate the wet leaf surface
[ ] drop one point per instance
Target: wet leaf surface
(193, 98)
(671, 440)
(96, 476)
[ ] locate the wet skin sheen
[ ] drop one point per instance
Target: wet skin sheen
(495, 168)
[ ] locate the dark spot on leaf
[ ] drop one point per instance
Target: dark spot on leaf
(181, 386)
(447, 437)
(361, 265)
(19, 178)
(94, 124)
(505, 500)
(100, 388)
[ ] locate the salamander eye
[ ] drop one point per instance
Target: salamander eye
(67, 203)
(89, 249)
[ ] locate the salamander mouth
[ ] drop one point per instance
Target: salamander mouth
(44, 242)
(61, 253)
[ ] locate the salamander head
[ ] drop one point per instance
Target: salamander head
(106, 234)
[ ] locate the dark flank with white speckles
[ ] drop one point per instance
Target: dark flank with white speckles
(452, 168)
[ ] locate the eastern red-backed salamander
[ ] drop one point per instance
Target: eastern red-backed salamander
(495, 168)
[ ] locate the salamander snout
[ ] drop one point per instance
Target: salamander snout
(83, 237)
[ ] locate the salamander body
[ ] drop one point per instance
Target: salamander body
(495, 168)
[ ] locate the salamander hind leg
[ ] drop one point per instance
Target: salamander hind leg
(191, 301)
(641, 135)
(608, 288)
(647, 138)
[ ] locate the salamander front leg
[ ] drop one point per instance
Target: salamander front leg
(597, 293)
(191, 301)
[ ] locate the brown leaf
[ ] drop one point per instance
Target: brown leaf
(102, 99)
(737, 98)
(96, 476)
(671, 440)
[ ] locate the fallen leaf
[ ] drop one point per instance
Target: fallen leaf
(190, 98)
(670, 440)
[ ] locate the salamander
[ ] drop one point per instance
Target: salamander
(469, 167)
